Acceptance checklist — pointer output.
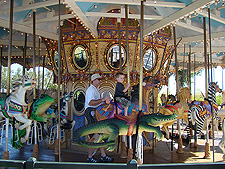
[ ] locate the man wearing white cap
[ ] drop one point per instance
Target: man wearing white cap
(92, 101)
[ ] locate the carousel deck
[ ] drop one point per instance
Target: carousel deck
(161, 154)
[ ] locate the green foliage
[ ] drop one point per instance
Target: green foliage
(48, 79)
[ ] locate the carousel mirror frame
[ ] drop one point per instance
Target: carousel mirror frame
(155, 59)
(86, 49)
(108, 49)
(81, 112)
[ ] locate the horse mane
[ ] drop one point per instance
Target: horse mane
(16, 84)
(184, 91)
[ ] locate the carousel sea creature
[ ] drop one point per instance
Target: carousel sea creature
(180, 108)
(14, 106)
(110, 129)
(201, 110)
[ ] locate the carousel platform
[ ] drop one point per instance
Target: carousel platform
(161, 154)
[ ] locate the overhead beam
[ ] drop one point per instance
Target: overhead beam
(73, 5)
(122, 15)
(199, 38)
(175, 16)
(20, 43)
(30, 6)
(27, 29)
(138, 2)
(213, 16)
(189, 26)
(54, 18)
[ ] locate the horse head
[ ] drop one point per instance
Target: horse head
(24, 83)
(215, 86)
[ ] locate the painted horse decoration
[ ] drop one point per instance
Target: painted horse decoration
(110, 129)
(180, 108)
(14, 106)
(37, 111)
(201, 110)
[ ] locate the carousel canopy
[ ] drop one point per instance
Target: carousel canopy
(186, 15)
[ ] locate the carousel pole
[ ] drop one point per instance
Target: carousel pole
(35, 147)
(6, 152)
(43, 74)
(140, 161)
(182, 81)
(180, 149)
(24, 53)
(39, 62)
(210, 53)
(119, 38)
(124, 138)
(207, 145)
(194, 76)
(57, 142)
(1, 69)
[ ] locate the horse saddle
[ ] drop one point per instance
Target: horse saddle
(131, 120)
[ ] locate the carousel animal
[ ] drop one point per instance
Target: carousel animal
(36, 112)
(110, 129)
(179, 108)
(14, 106)
(201, 110)
(222, 142)
(65, 123)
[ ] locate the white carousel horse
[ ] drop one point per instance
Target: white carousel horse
(14, 106)
(66, 124)
(222, 142)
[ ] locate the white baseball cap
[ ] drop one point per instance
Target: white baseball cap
(95, 76)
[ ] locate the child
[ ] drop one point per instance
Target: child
(120, 92)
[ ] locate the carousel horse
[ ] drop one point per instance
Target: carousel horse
(179, 108)
(14, 106)
(222, 142)
(66, 124)
(36, 112)
(201, 110)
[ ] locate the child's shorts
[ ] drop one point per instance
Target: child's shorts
(124, 102)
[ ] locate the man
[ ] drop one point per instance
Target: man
(92, 101)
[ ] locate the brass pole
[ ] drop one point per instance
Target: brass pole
(205, 58)
(183, 66)
(34, 49)
(59, 80)
(119, 38)
(43, 74)
(1, 69)
(176, 61)
(194, 77)
(210, 53)
(127, 46)
(189, 68)
(24, 53)
(10, 45)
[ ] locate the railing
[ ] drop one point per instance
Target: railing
(32, 163)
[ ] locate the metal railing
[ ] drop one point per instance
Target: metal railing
(32, 163)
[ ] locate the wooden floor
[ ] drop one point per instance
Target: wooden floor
(161, 154)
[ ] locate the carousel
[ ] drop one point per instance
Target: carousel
(147, 40)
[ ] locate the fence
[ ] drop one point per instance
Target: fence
(32, 163)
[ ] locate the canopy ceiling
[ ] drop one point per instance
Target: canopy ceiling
(185, 15)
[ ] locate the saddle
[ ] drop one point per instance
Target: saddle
(131, 120)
